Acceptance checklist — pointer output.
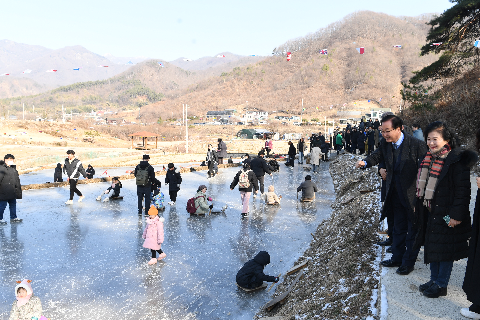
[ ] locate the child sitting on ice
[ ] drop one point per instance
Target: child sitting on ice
(271, 197)
(26, 306)
(116, 186)
(153, 235)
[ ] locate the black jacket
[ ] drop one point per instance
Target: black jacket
(371, 138)
(412, 153)
(308, 189)
(173, 179)
(451, 197)
(260, 167)
(251, 177)
(251, 274)
(10, 187)
(361, 140)
(354, 138)
(57, 176)
(292, 151)
(116, 189)
(90, 172)
(151, 173)
(471, 283)
(74, 169)
(156, 184)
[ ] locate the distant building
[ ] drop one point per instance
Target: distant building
(222, 116)
(115, 121)
(252, 116)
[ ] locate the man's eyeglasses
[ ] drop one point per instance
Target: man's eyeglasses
(387, 131)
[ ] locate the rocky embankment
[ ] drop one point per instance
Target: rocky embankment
(341, 279)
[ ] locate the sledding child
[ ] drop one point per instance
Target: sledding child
(26, 306)
(116, 186)
(153, 235)
(271, 197)
(251, 275)
(200, 202)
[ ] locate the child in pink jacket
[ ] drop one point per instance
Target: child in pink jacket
(153, 235)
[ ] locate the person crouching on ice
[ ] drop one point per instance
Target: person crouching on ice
(271, 197)
(27, 306)
(153, 235)
(251, 275)
(116, 186)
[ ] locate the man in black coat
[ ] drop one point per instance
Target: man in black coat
(144, 176)
(251, 275)
(354, 138)
(57, 176)
(10, 188)
(371, 140)
(90, 172)
(260, 167)
(73, 168)
(401, 154)
(173, 178)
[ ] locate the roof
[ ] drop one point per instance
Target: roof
(225, 113)
(143, 134)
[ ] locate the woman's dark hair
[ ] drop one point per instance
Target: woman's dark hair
(478, 140)
(18, 290)
(444, 130)
(246, 166)
(397, 122)
(219, 139)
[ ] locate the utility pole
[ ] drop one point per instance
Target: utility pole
(23, 111)
(301, 114)
(186, 127)
(183, 114)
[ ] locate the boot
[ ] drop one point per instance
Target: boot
(161, 256)
(152, 261)
(69, 202)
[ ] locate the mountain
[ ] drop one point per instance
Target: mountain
(331, 83)
(225, 60)
(125, 60)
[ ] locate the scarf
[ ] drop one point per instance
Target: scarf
(429, 172)
(23, 301)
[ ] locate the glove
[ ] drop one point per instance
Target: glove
(209, 199)
(277, 279)
(211, 206)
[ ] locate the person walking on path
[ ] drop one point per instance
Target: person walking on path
(301, 147)
(260, 167)
(354, 138)
(144, 176)
(471, 283)
(222, 151)
(268, 145)
(212, 157)
(73, 168)
(90, 172)
(247, 181)
(361, 142)
(154, 235)
(371, 140)
(10, 188)
(57, 176)
(417, 131)
(315, 158)
(201, 203)
(308, 188)
(338, 142)
(443, 193)
(401, 154)
(174, 179)
(292, 152)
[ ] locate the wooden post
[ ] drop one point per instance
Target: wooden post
(132, 142)
(156, 141)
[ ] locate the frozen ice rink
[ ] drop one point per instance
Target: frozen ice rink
(87, 261)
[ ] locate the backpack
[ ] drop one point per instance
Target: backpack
(141, 177)
(274, 164)
(191, 205)
(243, 181)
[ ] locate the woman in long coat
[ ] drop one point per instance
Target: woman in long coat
(221, 151)
(442, 208)
(471, 283)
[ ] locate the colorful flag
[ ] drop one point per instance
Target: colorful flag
(77, 69)
(221, 56)
(187, 59)
(436, 44)
(289, 56)
(27, 71)
(361, 50)
(323, 51)
(51, 70)
(161, 64)
(129, 63)
(4, 74)
(477, 43)
(103, 66)
(368, 100)
(397, 46)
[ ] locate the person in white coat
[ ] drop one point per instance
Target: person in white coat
(315, 157)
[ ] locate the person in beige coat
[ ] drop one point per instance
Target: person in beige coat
(271, 197)
(26, 306)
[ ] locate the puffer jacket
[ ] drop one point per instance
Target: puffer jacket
(271, 198)
(315, 156)
(260, 166)
(252, 178)
(173, 178)
(251, 274)
(222, 150)
(201, 203)
(10, 187)
(57, 176)
(308, 189)
(73, 169)
(33, 308)
(452, 198)
(153, 233)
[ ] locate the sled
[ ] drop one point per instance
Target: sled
(281, 298)
(116, 198)
(273, 204)
(307, 200)
(263, 286)
(297, 267)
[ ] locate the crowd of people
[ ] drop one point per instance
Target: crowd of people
(426, 193)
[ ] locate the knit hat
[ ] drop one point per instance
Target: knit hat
(171, 165)
(308, 177)
(146, 157)
(152, 211)
(201, 187)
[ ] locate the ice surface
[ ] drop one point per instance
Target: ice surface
(87, 261)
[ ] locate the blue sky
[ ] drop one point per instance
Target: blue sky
(192, 29)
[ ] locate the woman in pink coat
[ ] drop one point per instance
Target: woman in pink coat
(153, 235)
